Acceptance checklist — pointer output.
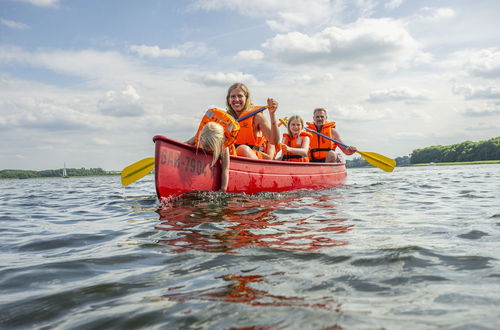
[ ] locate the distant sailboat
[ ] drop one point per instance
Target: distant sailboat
(65, 173)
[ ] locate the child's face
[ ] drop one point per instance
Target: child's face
(295, 126)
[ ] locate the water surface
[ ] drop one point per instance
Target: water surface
(413, 249)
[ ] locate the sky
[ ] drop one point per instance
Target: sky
(88, 83)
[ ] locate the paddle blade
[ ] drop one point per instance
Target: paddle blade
(137, 170)
(384, 163)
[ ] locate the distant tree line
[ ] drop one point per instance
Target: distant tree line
(360, 162)
(27, 174)
(461, 152)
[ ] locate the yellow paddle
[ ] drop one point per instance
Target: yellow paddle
(137, 170)
(384, 163)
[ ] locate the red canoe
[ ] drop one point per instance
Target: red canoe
(179, 168)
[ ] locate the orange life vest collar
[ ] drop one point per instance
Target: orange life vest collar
(246, 134)
(230, 125)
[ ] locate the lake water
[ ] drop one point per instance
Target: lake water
(414, 249)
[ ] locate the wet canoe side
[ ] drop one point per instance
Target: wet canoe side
(180, 168)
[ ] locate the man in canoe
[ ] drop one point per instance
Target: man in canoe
(247, 143)
(322, 150)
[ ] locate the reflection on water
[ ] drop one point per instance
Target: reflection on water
(239, 289)
(416, 248)
(233, 222)
(229, 223)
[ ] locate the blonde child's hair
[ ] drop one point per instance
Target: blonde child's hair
(212, 138)
(248, 101)
(295, 117)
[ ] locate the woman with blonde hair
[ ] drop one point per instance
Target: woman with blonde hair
(220, 132)
(247, 143)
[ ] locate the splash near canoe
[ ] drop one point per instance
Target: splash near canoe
(180, 168)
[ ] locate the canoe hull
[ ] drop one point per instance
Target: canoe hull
(180, 168)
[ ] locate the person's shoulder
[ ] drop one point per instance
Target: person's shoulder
(306, 134)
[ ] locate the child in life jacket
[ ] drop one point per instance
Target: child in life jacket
(295, 145)
(216, 133)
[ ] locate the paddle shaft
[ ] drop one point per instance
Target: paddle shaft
(327, 137)
(377, 160)
(248, 115)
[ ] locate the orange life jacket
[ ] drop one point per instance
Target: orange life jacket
(319, 147)
(247, 135)
(263, 144)
(230, 125)
(295, 142)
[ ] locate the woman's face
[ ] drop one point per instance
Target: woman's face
(237, 100)
(295, 126)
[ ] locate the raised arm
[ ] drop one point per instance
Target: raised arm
(269, 129)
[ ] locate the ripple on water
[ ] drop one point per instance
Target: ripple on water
(416, 248)
(473, 235)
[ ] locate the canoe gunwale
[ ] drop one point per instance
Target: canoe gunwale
(245, 159)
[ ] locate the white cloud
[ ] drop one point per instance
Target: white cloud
(484, 110)
(47, 115)
(281, 15)
(393, 4)
(484, 63)
(14, 25)
(357, 112)
(100, 141)
(367, 41)
(477, 92)
(125, 103)
(191, 49)
(430, 14)
(41, 3)
(366, 7)
(309, 79)
(155, 51)
(288, 20)
(397, 94)
(97, 66)
(249, 55)
(223, 78)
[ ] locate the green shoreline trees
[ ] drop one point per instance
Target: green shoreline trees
(467, 151)
(27, 174)
(462, 152)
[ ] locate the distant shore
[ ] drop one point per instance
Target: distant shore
(55, 173)
(458, 163)
(69, 177)
(117, 173)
